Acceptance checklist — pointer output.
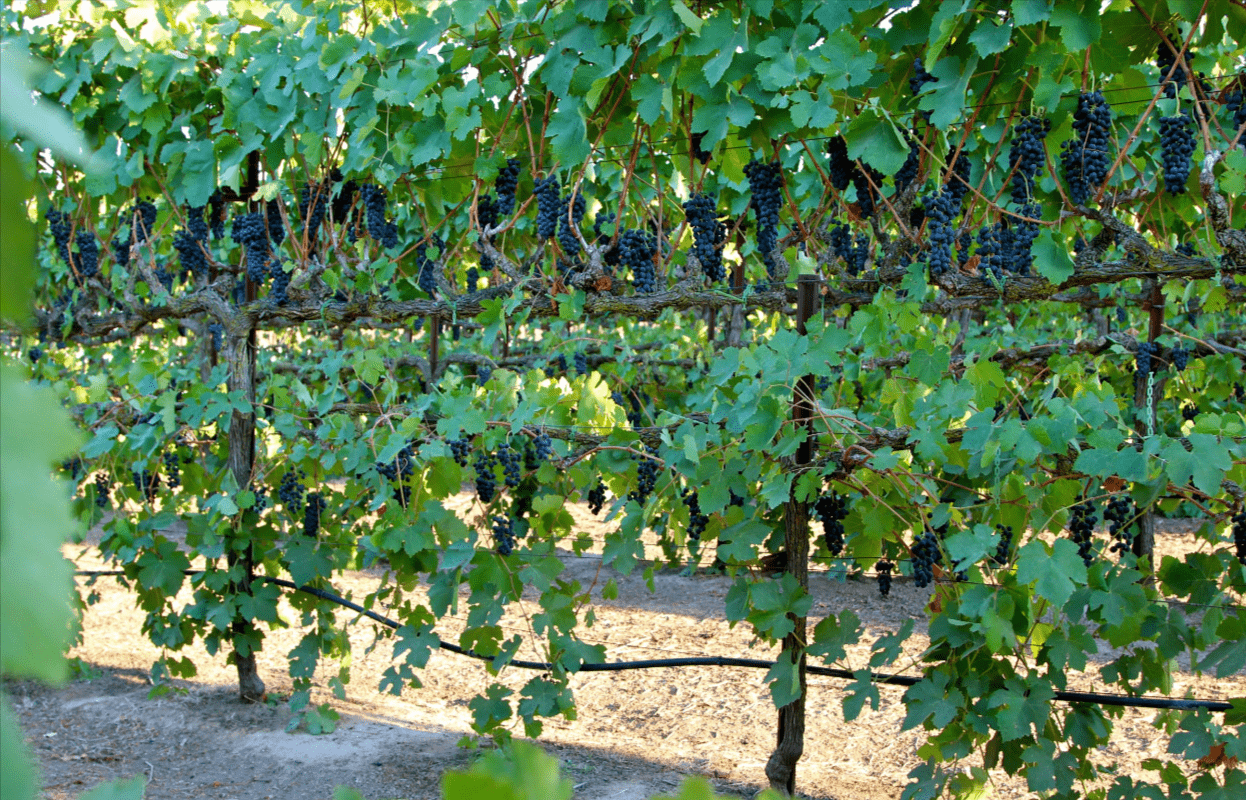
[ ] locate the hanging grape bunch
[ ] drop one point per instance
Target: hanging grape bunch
(102, 487)
(1239, 536)
(884, 568)
(548, 203)
(1176, 148)
(1003, 550)
(290, 492)
(940, 212)
(1026, 157)
(831, 509)
(504, 534)
(311, 514)
(701, 213)
(568, 236)
(696, 520)
(765, 186)
(636, 252)
(596, 497)
(505, 185)
(646, 477)
(925, 554)
(486, 482)
(1085, 156)
(1081, 530)
(249, 231)
(1180, 358)
(509, 459)
(1121, 518)
(147, 483)
(460, 449)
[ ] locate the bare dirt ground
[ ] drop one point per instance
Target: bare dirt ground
(637, 733)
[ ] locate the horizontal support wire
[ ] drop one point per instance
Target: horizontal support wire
(1095, 698)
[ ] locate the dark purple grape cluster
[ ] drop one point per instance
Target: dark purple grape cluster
(920, 77)
(1180, 358)
(1082, 529)
(217, 332)
(486, 211)
(344, 200)
(60, 226)
(703, 156)
(635, 415)
(121, 250)
(766, 187)
(473, 277)
(1235, 103)
(990, 253)
(556, 366)
(375, 204)
(512, 473)
(570, 215)
(544, 447)
(486, 481)
(884, 568)
(925, 554)
(1003, 548)
(1017, 240)
(102, 487)
(708, 233)
(637, 250)
(646, 477)
(505, 185)
(908, 170)
(311, 514)
(88, 254)
(312, 205)
(867, 182)
(696, 520)
(548, 204)
(1176, 141)
(216, 215)
(831, 509)
(281, 281)
(34, 354)
(172, 470)
(261, 499)
(1189, 412)
(597, 497)
(397, 472)
(1121, 516)
(504, 534)
(190, 252)
(1166, 60)
(460, 449)
(249, 231)
(1026, 157)
(290, 492)
(956, 179)
(1239, 536)
(144, 220)
(940, 211)
(580, 362)
(426, 268)
(147, 483)
(1085, 156)
(1145, 357)
(841, 167)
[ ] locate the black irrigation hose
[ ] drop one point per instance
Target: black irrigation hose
(1096, 698)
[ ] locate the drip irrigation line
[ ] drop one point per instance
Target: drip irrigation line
(890, 679)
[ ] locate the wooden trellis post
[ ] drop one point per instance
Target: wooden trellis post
(781, 768)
